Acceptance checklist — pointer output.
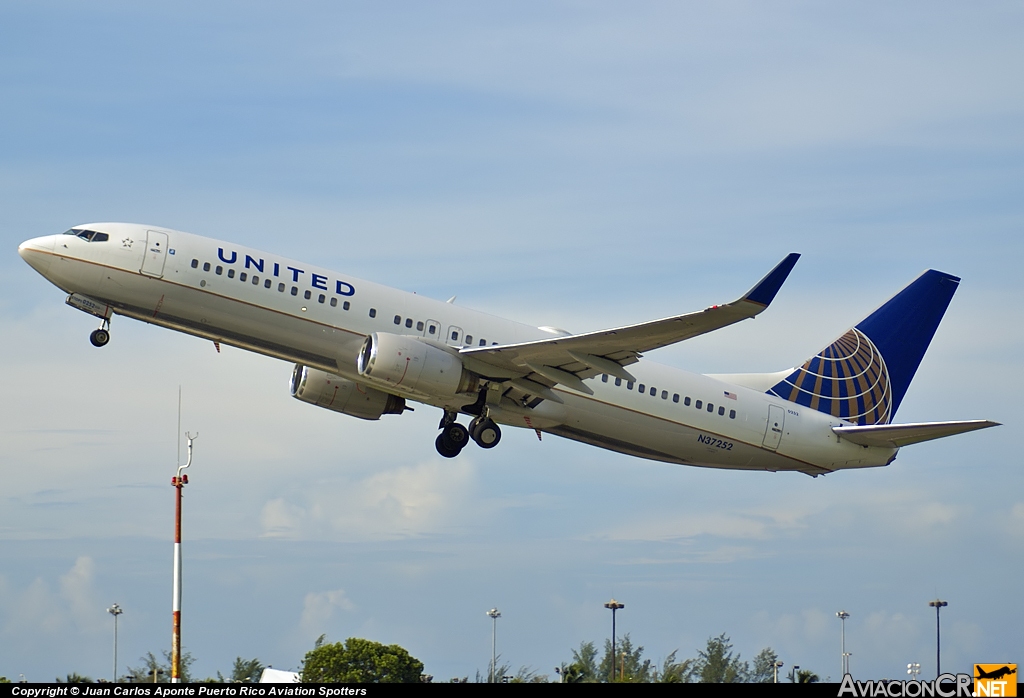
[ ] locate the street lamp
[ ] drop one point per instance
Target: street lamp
(914, 669)
(495, 614)
(937, 604)
(614, 606)
(115, 611)
(842, 616)
(776, 665)
(796, 667)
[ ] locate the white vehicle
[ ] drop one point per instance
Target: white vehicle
(365, 350)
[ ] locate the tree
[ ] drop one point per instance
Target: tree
(584, 665)
(75, 677)
(360, 661)
(675, 672)
(150, 664)
(807, 676)
(716, 663)
(764, 666)
(628, 663)
(246, 671)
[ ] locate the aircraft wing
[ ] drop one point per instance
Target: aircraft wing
(897, 435)
(571, 358)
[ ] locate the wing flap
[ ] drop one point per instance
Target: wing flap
(897, 435)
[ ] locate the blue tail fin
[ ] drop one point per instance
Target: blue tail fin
(862, 376)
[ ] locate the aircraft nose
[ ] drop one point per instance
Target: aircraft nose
(38, 252)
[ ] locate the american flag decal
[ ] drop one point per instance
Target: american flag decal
(731, 396)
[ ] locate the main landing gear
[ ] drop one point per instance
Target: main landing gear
(454, 437)
(100, 337)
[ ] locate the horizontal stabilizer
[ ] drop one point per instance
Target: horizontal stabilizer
(897, 435)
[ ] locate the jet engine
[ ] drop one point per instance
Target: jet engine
(341, 395)
(410, 364)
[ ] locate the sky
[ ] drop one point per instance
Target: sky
(581, 165)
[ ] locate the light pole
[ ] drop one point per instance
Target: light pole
(614, 606)
(115, 611)
(776, 665)
(796, 667)
(842, 616)
(495, 614)
(937, 604)
(914, 669)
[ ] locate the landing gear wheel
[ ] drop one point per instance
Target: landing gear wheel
(455, 436)
(485, 432)
(444, 449)
(99, 337)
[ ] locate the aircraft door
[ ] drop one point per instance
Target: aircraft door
(156, 253)
(454, 336)
(776, 421)
(432, 330)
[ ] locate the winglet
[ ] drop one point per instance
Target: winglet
(764, 291)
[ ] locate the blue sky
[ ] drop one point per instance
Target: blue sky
(580, 165)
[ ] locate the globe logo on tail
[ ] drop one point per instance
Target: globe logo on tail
(847, 379)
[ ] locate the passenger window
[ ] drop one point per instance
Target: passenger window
(398, 319)
(231, 273)
(195, 263)
(408, 322)
(419, 326)
(243, 276)
(618, 382)
(346, 305)
(266, 284)
(642, 389)
(219, 270)
(664, 395)
(334, 302)
(699, 404)
(686, 401)
(321, 298)
(721, 411)
(654, 391)
(732, 414)
(483, 342)
(255, 281)
(431, 330)
(711, 408)
(469, 339)
(455, 336)
(307, 295)
(295, 290)
(206, 266)
(373, 312)
(629, 385)
(280, 288)
(675, 397)
(604, 378)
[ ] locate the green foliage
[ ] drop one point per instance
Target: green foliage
(807, 676)
(75, 677)
(360, 661)
(675, 672)
(764, 666)
(716, 663)
(4, 679)
(584, 665)
(629, 665)
(246, 671)
(150, 664)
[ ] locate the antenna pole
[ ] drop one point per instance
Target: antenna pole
(178, 481)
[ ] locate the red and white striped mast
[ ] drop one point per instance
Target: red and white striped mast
(178, 481)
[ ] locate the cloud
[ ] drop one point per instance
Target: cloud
(73, 607)
(397, 503)
(319, 607)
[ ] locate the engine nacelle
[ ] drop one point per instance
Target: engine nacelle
(342, 395)
(412, 365)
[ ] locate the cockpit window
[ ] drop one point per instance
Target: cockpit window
(88, 235)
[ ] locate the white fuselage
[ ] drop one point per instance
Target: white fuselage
(312, 316)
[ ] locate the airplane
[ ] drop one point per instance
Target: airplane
(366, 350)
